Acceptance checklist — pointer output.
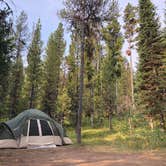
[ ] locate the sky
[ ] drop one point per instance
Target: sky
(47, 11)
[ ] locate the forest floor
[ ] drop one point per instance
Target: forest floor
(81, 156)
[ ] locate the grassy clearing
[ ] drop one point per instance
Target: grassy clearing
(141, 138)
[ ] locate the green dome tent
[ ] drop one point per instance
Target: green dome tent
(31, 128)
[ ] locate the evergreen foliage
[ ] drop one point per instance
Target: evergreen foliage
(6, 48)
(72, 61)
(131, 21)
(55, 51)
(33, 71)
(84, 17)
(112, 65)
(124, 88)
(17, 75)
(131, 28)
(151, 64)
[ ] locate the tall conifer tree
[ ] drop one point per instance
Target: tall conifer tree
(112, 67)
(151, 64)
(33, 71)
(82, 15)
(17, 68)
(55, 51)
(6, 48)
(72, 61)
(130, 27)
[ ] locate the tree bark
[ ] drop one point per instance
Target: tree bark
(130, 123)
(162, 121)
(79, 120)
(14, 93)
(31, 100)
(92, 106)
(132, 84)
(110, 120)
(151, 123)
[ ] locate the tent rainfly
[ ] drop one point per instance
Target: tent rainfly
(32, 128)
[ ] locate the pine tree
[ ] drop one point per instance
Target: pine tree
(72, 61)
(6, 48)
(124, 88)
(17, 68)
(63, 107)
(111, 67)
(98, 103)
(130, 19)
(82, 15)
(89, 73)
(33, 71)
(55, 51)
(151, 64)
(163, 76)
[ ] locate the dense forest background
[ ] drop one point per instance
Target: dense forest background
(94, 84)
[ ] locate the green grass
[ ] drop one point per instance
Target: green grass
(140, 138)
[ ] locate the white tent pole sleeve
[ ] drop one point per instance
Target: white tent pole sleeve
(39, 127)
(28, 131)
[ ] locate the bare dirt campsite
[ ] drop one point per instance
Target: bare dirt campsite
(80, 156)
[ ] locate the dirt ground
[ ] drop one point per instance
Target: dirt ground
(80, 156)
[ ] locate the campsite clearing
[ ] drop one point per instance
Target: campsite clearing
(80, 156)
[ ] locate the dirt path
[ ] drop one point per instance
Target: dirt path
(79, 156)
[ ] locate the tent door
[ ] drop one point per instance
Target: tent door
(24, 136)
(39, 133)
(46, 134)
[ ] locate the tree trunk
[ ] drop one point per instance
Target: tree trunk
(116, 96)
(14, 94)
(13, 112)
(92, 105)
(14, 100)
(92, 118)
(31, 100)
(130, 124)
(130, 119)
(77, 91)
(110, 120)
(132, 84)
(162, 121)
(79, 120)
(151, 123)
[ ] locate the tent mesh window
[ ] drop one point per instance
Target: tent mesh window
(33, 131)
(25, 129)
(45, 128)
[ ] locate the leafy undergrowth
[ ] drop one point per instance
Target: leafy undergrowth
(140, 138)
